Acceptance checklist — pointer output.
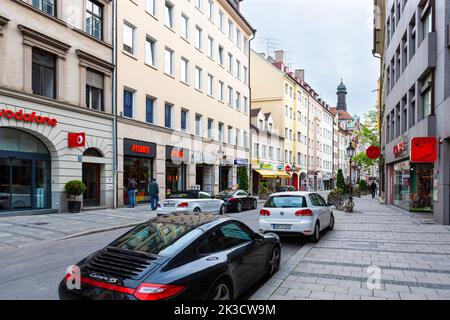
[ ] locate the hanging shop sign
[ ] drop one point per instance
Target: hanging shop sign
(28, 117)
(423, 150)
(400, 148)
(241, 162)
(288, 168)
(177, 155)
(139, 148)
(77, 140)
(373, 152)
(266, 166)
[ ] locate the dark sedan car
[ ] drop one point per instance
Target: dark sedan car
(178, 256)
(238, 200)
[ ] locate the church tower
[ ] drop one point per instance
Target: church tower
(342, 97)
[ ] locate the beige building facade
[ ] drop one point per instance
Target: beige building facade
(56, 108)
(183, 95)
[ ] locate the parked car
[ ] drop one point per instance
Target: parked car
(285, 189)
(177, 256)
(296, 213)
(191, 201)
(238, 200)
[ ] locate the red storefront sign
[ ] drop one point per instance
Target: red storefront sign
(400, 148)
(288, 169)
(28, 117)
(423, 150)
(140, 149)
(77, 140)
(373, 152)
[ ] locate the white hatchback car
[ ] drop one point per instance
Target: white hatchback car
(191, 201)
(296, 213)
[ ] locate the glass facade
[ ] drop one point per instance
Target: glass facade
(413, 186)
(175, 178)
(140, 169)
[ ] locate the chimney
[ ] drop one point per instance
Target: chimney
(300, 73)
(279, 56)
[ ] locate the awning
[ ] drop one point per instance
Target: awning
(273, 174)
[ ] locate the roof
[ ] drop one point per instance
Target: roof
(342, 114)
(267, 115)
(255, 112)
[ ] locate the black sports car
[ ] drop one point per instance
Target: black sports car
(238, 200)
(177, 256)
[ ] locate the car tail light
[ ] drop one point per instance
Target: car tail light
(264, 213)
(150, 291)
(304, 213)
(159, 206)
(183, 205)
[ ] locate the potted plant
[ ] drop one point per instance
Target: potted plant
(74, 190)
(263, 191)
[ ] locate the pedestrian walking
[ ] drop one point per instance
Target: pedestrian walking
(132, 189)
(153, 189)
(373, 188)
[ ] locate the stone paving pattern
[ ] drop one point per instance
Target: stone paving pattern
(412, 252)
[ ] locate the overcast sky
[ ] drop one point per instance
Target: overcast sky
(330, 39)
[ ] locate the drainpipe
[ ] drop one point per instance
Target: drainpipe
(250, 141)
(114, 105)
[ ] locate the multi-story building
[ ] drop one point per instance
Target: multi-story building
(416, 100)
(267, 157)
(56, 103)
(183, 94)
(303, 116)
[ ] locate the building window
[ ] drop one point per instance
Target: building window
(230, 135)
(168, 61)
(210, 129)
(199, 4)
(150, 7)
(426, 96)
(238, 137)
(94, 19)
(245, 105)
(221, 20)
(210, 9)
(230, 29)
(198, 78)
(150, 109)
(221, 91)
(427, 23)
(169, 15)
(44, 74)
(238, 69)
(48, 6)
(221, 55)
(94, 90)
(150, 52)
(238, 38)
(230, 63)
(184, 26)
(198, 125)
(230, 96)
(210, 47)
(184, 73)
(210, 85)
(128, 38)
(221, 133)
(245, 74)
(168, 115)
(238, 101)
(128, 103)
(184, 117)
(198, 38)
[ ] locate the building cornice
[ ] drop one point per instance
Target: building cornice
(34, 38)
(3, 22)
(53, 103)
(89, 61)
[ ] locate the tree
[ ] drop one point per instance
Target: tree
(363, 160)
(340, 180)
(243, 179)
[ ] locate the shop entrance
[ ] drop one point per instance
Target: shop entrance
(24, 172)
(175, 178)
(224, 178)
(91, 179)
(199, 176)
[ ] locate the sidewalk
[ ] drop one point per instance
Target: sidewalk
(412, 251)
(20, 231)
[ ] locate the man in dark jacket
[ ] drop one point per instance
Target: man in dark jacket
(132, 188)
(153, 189)
(373, 188)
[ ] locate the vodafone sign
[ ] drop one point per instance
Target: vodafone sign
(77, 140)
(28, 117)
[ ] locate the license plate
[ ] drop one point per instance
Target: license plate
(282, 226)
(169, 205)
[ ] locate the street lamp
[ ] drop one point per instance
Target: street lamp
(350, 155)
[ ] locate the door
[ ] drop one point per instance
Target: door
(5, 192)
(21, 184)
(91, 178)
(319, 210)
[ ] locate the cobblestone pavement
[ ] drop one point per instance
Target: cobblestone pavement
(412, 252)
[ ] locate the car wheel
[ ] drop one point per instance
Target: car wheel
(274, 262)
(220, 291)
(223, 210)
(331, 226)
(255, 205)
(197, 210)
(316, 235)
(239, 207)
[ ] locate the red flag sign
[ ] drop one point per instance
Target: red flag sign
(77, 140)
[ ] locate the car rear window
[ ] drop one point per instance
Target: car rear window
(157, 238)
(182, 195)
(286, 202)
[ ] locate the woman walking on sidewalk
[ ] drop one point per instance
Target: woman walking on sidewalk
(132, 188)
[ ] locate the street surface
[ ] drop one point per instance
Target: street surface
(34, 271)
